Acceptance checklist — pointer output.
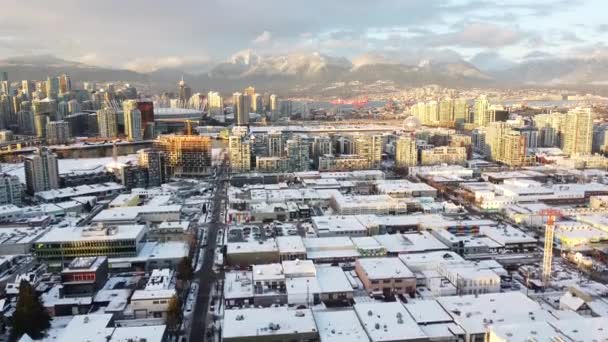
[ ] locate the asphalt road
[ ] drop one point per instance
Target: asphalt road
(206, 276)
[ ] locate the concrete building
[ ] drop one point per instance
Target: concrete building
(406, 153)
(444, 155)
(107, 123)
(57, 132)
(385, 276)
(133, 120)
(41, 171)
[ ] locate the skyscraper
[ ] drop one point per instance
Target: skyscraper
(11, 190)
(240, 153)
(446, 112)
(482, 105)
(494, 140)
(370, 147)
(27, 88)
(514, 149)
(406, 153)
(297, 153)
(256, 103)
(57, 132)
(578, 131)
(5, 85)
(133, 122)
(154, 161)
(215, 103)
(146, 108)
(242, 104)
(52, 87)
(274, 103)
(65, 84)
(461, 111)
(249, 91)
(275, 144)
(41, 171)
(185, 92)
(107, 122)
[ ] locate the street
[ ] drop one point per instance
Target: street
(206, 276)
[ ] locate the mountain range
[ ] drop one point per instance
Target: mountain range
(315, 72)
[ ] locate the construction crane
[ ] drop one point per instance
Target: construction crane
(551, 215)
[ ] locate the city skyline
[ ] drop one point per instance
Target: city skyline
(191, 34)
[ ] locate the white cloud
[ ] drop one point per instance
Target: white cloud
(148, 64)
(264, 38)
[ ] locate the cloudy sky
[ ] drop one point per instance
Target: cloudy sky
(148, 34)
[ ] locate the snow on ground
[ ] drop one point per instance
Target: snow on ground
(70, 165)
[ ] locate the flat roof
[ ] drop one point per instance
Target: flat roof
(131, 213)
(298, 267)
(388, 322)
(152, 251)
(474, 313)
(338, 224)
(339, 326)
(427, 311)
(238, 284)
(257, 246)
(506, 235)
(332, 279)
(290, 244)
(267, 322)
(384, 268)
(410, 242)
(81, 190)
(92, 233)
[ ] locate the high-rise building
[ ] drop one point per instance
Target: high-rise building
(57, 132)
(133, 122)
(25, 122)
(297, 153)
(215, 103)
(74, 106)
(496, 113)
(107, 123)
(514, 149)
(185, 92)
(256, 103)
(446, 112)
(240, 153)
(5, 84)
(52, 87)
(27, 88)
(146, 108)
(63, 110)
(11, 190)
(275, 144)
(186, 155)
(65, 84)
(242, 104)
(41, 171)
(321, 145)
(249, 91)
(5, 110)
(406, 152)
(493, 140)
(274, 103)
(370, 147)
(482, 105)
(154, 161)
(461, 111)
(432, 112)
(578, 131)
